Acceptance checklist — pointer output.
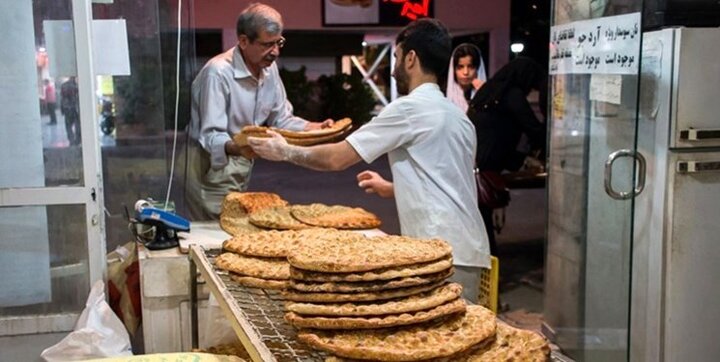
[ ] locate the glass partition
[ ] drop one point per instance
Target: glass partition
(593, 122)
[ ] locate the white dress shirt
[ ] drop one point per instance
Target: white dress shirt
(431, 145)
(226, 97)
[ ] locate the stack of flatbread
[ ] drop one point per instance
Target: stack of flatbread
(300, 138)
(296, 217)
(370, 283)
(483, 341)
(258, 260)
(237, 206)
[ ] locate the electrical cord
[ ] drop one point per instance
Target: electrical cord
(177, 104)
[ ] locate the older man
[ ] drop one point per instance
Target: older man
(234, 89)
(431, 147)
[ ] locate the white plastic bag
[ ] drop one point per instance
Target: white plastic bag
(216, 328)
(98, 333)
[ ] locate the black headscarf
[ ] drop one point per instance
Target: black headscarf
(521, 72)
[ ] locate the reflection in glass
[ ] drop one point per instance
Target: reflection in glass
(44, 263)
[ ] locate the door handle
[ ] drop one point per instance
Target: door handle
(640, 185)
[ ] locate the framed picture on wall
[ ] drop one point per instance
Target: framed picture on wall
(351, 12)
(374, 12)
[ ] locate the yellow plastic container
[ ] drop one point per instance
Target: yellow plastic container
(489, 279)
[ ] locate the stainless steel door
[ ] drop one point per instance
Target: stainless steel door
(691, 318)
(695, 107)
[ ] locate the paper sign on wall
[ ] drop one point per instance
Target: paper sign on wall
(609, 45)
(606, 88)
(110, 47)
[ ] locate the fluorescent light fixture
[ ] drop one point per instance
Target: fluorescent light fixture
(517, 47)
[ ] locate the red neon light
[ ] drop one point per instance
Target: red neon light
(412, 10)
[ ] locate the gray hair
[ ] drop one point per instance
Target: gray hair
(258, 17)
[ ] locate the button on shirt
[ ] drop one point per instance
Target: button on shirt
(226, 97)
(431, 148)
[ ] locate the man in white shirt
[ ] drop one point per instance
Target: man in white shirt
(234, 89)
(431, 148)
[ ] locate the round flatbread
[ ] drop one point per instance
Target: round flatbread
(423, 341)
(513, 344)
(276, 218)
(277, 244)
(384, 321)
(259, 282)
(380, 274)
(335, 216)
(357, 297)
(266, 268)
(427, 300)
(236, 204)
(338, 127)
(375, 286)
(366, 254)
(238, 225)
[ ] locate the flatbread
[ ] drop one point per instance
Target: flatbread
(452, 307)
(335, 216)
(364, 287)
(266, 268)
(259, 282)
(300, 138)
(380, 274)
(461, 356)
(513, 344)
(237, 204)
(427, 300)
(337, 127)
(277, 244)
(320, 139)
(357, 297)
(276, 218)
(423, 341)
(366, 254)
(238, 225)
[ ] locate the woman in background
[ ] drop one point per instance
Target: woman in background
(501, 114)
(466, 74)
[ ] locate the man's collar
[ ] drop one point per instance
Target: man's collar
(426, 85)
(240, 69)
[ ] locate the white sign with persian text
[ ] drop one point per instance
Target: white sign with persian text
(609, 45)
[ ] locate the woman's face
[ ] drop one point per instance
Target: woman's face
(465, 72)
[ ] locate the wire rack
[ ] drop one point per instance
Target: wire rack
(264, 313)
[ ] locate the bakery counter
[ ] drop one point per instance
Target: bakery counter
(256, 315)
(165, 290)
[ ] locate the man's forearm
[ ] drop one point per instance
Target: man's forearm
(330, 157)
(316, 158)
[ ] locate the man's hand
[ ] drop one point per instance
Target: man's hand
(233, 149)
(310, 126)
(274, 148)
(375, 184)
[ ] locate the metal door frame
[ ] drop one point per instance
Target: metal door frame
(90, 195)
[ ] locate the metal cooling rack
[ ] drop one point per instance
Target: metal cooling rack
(255, 314)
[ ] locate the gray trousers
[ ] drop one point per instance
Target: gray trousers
(206, 188)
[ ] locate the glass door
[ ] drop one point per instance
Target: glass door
(594, 65)
(51, 225)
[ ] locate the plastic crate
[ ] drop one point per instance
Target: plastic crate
(489, 279)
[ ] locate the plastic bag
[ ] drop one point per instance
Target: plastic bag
(216, 328)
(123, 279)
(98, 333)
